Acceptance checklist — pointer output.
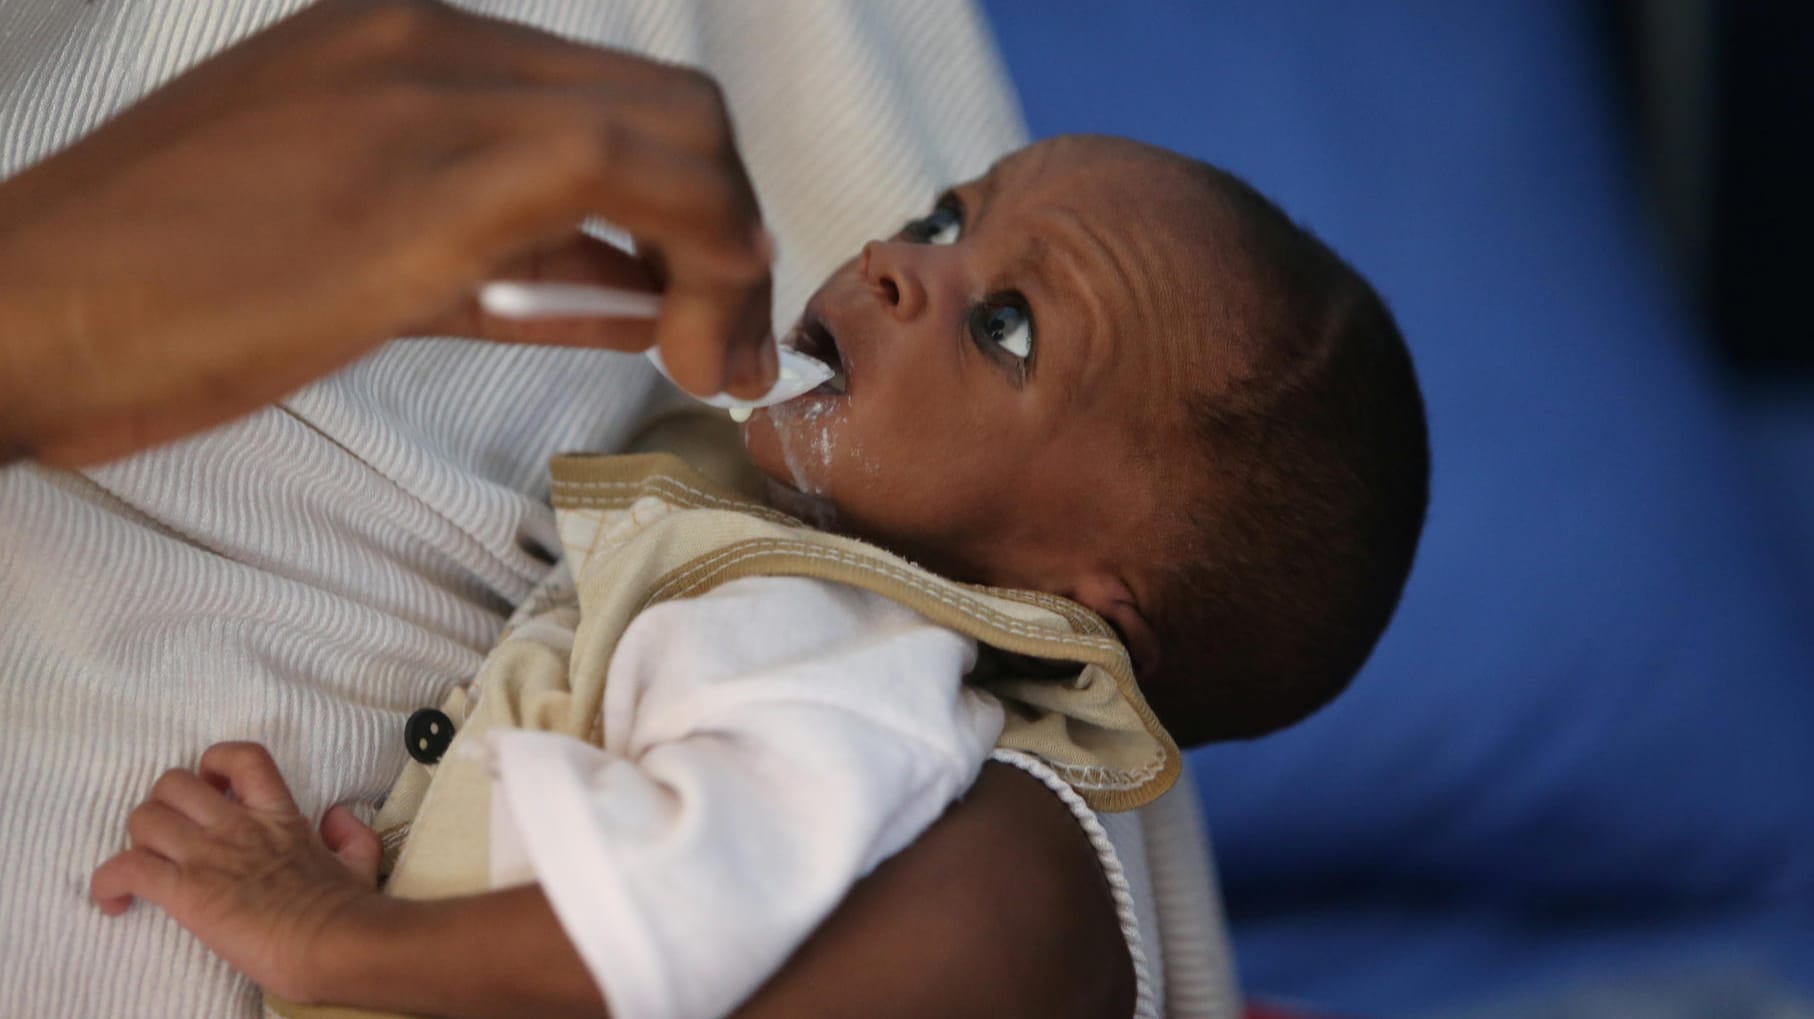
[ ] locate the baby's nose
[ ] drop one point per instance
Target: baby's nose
(888, 267)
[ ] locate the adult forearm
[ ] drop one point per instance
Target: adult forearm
(491, 956)
(28, 373)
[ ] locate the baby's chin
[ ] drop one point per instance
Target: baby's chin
(796, 485)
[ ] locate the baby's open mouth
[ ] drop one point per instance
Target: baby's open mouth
(814, 339)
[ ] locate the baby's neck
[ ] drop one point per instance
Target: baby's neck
(821, 514)
(815, 511)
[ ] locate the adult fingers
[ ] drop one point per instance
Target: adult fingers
(700, 210)
(699, 214)
(189, 795)
(469, 320)
(135, 873)
(251, 775)
(683, 105)
(370, 41)
(497, 47)
(577, 259)
(716, 339)
(353, 841)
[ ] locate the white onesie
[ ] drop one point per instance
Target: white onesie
(765, 746)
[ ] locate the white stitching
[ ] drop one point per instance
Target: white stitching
(1059, 606)
(1092, 777)
(669, 487)
(757, 547)
(1119, 889)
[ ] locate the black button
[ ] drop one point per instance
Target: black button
(427, 734)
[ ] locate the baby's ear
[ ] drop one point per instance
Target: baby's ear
(1108, 596)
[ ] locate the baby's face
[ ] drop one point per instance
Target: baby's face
(1010, 369)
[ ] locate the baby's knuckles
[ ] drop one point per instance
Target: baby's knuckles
(272, 901)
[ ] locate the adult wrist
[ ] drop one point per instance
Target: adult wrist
(25, 368)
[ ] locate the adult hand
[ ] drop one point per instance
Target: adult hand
(346, 176)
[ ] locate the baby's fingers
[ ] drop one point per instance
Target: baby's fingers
(247, 770)
(162, 830)
(135, 873)
(353, 841)
(189, 795)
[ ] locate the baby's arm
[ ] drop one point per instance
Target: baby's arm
(225, 851)
(744, 788)
(924, 936)
(764, 745)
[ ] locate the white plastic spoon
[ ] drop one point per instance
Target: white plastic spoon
(800, 373)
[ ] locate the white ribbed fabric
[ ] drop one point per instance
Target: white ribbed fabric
(312, 573)
(1186, 920)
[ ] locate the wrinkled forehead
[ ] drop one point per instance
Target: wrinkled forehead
(1160, 253)
(1118, 187)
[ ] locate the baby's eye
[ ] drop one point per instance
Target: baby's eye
(1003, 321)
(943, 225)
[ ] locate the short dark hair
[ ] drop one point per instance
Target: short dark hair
(1311, 480)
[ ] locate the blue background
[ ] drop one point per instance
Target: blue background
(1586, 746)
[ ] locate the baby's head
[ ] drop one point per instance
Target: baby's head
(1111, 373)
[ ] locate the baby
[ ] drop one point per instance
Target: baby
(1101, 372)
(1117, 375)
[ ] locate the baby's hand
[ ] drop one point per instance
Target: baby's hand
(227, 854)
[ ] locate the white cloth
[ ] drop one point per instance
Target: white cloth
(311, 574)
(765, 746)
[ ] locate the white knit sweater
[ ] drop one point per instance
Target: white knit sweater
(309, 575)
